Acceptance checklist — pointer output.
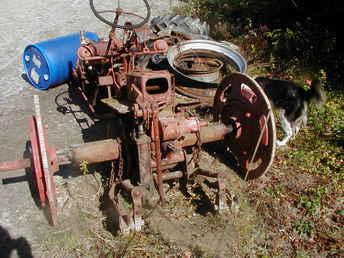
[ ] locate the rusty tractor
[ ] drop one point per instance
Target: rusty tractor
(135, 80)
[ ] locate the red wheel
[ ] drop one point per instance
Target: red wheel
(43, 164)
(37, 161)
(240, 101)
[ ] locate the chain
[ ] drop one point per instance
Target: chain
(120, 165)
(112, 175)
(197, 148)
(116, 177)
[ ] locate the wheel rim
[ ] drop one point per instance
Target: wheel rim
(42, 164)
(240, 101)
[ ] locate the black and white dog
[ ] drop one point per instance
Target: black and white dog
(292, 101)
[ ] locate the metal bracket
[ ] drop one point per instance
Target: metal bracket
(222, 194)
(223, 197)
(127, 220)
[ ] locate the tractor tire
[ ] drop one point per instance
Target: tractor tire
(186, 25)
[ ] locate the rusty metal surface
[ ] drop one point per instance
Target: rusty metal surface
(219, 182)
(205, 95)
(156, 140)
(146, 88)
(105, 80)
(222, 194)
(199, 67)
(137, 195)
(120, 215)
(211, 133)
(49, 183)
(127, 220)
(95, 152)
(240, 101)
(118, 11)
(172, 128)
(171, 159)
(116, 106)
(144, 159)
(36, 161)
(224, 53)
(15, 164)
(172, 175)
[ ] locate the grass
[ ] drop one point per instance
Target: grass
(324, 138)
(306, 186)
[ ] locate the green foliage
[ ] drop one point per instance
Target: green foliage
(84, 167)
(192, 8)
(291, 37)
(320, 150)
(276, 191)
(302, 254)
(303, 227)
(283, 39)
(311, 205)
(329, 118)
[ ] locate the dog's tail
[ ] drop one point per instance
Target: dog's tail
(316, 94)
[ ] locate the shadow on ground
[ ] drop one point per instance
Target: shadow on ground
(8, 245)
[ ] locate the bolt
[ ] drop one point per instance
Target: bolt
(221, 175)
(136, 193)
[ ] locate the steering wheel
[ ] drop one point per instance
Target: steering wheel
(112, 24)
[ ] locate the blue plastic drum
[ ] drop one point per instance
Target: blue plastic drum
(50, 62)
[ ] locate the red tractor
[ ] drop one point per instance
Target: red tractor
(148, 81)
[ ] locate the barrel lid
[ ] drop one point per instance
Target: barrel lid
(47, 63)
(36, 68)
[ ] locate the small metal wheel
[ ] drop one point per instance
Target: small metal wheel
(240, 101)
(43, 163)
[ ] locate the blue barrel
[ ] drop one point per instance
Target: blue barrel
(50, 62)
